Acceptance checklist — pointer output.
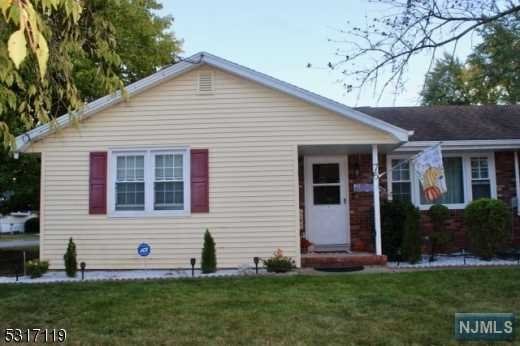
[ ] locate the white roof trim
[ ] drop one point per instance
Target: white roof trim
(490, 144)
(25, 140)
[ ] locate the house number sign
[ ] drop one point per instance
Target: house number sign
(363, 188)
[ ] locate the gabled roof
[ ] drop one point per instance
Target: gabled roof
(453, 123)
(25, 140)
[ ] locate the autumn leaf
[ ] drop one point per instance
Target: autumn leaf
(17, 46)
(42, 54)
(4, 5)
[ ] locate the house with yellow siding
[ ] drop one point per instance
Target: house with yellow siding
(209, 144)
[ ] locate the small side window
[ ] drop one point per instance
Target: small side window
(480, 181)
(401, 182)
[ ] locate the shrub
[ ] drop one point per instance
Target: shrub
(32, 225)
(439, 237)
(36, 268)
(411, 245)
(209, 255)
(279, 263)
(487, 222)
(71, 263)
(393, 216)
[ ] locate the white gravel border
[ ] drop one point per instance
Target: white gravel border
(121, 275)
(453, 261)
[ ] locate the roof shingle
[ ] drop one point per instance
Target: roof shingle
(440, 123)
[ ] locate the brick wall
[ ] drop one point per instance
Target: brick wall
(361, 203)
(506, 187)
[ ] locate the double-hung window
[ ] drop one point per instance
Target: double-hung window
(480, 181)
(468, 177)
(129, 185)
(149, 182)
(169, 181)
(401, 183)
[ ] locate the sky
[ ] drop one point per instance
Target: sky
(280, 38)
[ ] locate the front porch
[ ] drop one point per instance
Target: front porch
(339, 204)
(341, 259)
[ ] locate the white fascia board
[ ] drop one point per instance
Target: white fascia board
(24, 141)
(491, 144)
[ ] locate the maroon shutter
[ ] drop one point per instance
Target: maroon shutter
(98, 183)
(199, 181)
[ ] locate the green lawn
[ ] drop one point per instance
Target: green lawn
(402, 308)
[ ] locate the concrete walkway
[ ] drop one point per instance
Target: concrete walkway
(19, 244)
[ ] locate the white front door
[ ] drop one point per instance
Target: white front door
(326, 200)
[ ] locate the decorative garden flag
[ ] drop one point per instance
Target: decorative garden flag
(430, 171)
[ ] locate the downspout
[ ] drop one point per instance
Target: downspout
(517, 183)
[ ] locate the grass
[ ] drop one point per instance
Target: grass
(385, 309)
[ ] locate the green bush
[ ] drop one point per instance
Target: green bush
(439, 238)
(36, 268)
(32, 225)
(209, 255)
(488, 225)
(71, 262)
(279, 263)
(393, 216)
(411, 246)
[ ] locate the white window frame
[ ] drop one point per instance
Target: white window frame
(466, 176)
(149, 179)
(390, 176)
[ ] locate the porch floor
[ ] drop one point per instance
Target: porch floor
(341, 259)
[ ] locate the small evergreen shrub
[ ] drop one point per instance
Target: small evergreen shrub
(71, 262)
(32, 225)
(36, 268)
(393, 216)
(439, 237)
(411, 245)
(209, 255)
(279, 263)
(488, 225)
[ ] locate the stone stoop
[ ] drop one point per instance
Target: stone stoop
(340, 260)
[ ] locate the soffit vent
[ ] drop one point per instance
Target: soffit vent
(206, 82)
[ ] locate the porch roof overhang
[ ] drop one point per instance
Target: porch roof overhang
(343, 149)
(462, 145)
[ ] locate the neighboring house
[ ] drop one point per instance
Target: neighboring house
(207, 143)
(15, 222)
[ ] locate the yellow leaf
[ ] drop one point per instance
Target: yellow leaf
(17, 46)
(4, 5)
(42, 53)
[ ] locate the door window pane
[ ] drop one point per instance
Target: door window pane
(327, 195)
(325, 173)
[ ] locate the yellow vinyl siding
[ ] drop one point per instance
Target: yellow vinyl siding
(252, 133)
